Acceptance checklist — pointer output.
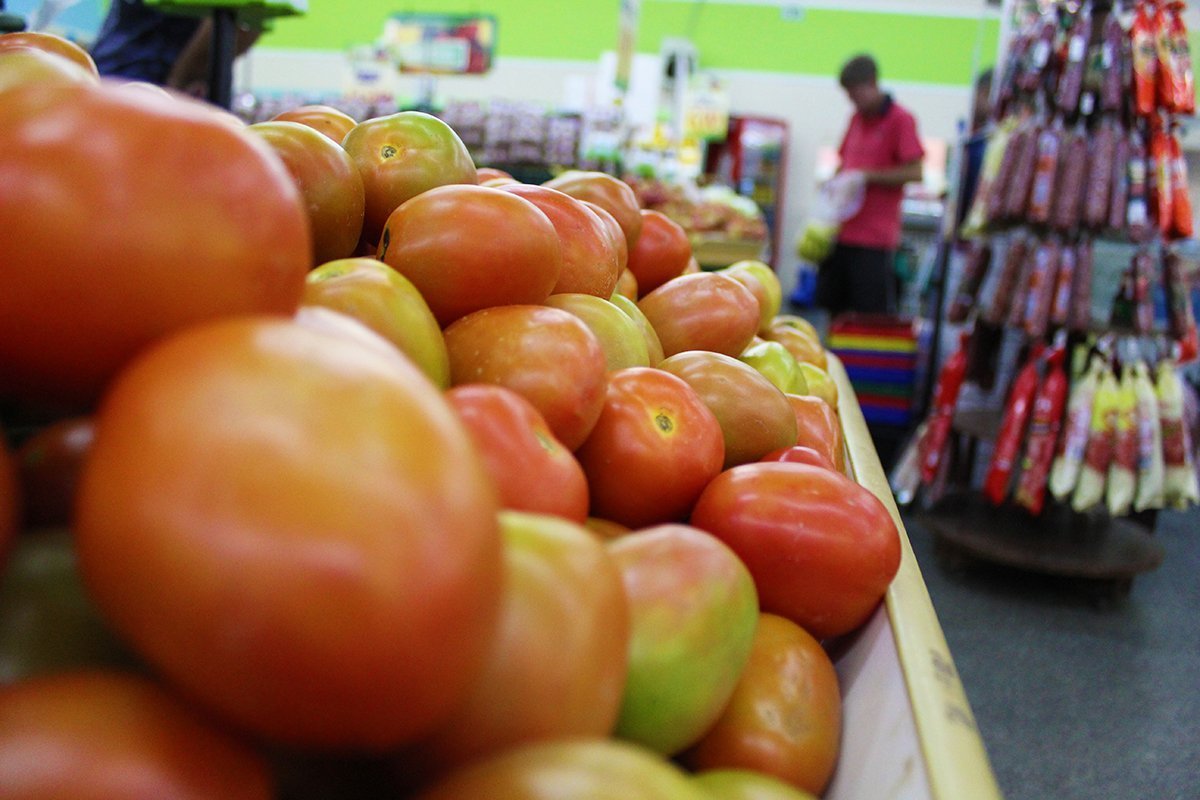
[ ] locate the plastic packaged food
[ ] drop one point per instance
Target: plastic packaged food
(990, 178)
(1043, 434)
(1069, 188)
(1012, 429)
(1181, 203)
(1005, 284)
(1070, 80)
(1017, 189)
(1112, 57)
(1142, 268)
(1144, 48)
(1016, 306)
(1081, 288)
(1037, 55)
(1182, 79)
(1181, 320)
(1122, 469)
(1161, 169)
(1039, 294)
(1097, 454)
(975, 269)
(1138, 211)
(1051, 143)
(1099, 174)
(1060, 307)
(932, 445)
(1118, 200)
(1068, 461)
(1179, 471)
(1149, 442)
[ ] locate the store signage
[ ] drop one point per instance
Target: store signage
(440, 44)
(706, 114)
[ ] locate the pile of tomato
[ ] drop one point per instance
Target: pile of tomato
(337, 467)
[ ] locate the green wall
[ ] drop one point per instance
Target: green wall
(927, 49)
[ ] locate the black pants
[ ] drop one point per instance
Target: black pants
(857, 279)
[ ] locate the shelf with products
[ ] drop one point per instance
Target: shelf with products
(1074, 301)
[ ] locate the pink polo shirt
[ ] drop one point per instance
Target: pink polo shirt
(878, 142)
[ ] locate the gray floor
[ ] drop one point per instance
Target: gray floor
(1076, 701)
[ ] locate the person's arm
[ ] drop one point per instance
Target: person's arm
(908, 172)
(190, 72)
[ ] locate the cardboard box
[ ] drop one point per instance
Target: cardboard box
(908, 732)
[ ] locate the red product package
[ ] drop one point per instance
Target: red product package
(1016, 190)
(1005, 283)
(1181, 203)
(1138, 210)
(1050, 146)
(1016, 306)
(1183, 80)
(1012, 429)
(1145, 59)
(979, 259)
(1098, 186)
(1060, 307)
(1040, 293)
(1118, 200)
(1066, 214)
(1161, 168)
(1070, 80)
(1181, 320)
(1081, 288)
(1142, 269)
(1048, 407)
(945, 399)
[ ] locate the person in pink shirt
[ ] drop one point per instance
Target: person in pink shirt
(881, 142)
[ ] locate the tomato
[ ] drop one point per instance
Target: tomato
(387, 303)
(818, 384)
(295, 529)
(612, 194)
(326, 120)
(799, 323)
(29, 65)
(9, 499)
(328, 181)
(485, 174)
(822, 549)
(661, 253)
(402, 155)
(595, 769)
(785, 716)
(652, 451)
(51, 44)
(546, 355)
(630, 307)
(100, 735)
(589, 259)
(606, 528)
(706, 311)
(622, 339)
(798, 339)
(746, 784)
(817, 426)
(616, 236)
(207, 227)
(693, 609)
(467, 248)
(49, 463)
(764, 283)
(773, 362)
(557, 667)
(799, 454)
(531, 469)
(47, 622)
(754, 415)
(627, 285)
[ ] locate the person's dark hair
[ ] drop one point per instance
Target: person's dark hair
(859, 70)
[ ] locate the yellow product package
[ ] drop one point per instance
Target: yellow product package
(1149, 435)
(1122, 468)
(1098, 453)
(1180, 488)
(1072, 443)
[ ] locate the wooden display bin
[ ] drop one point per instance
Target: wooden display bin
(908, 732)
(715, 253)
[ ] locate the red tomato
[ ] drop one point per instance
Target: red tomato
(652, 451)
(531, 469)
(706, 311)
(51, 44)
(546, 355)
(589, 260)
(596, 769)
(746, 784)
(485, 174)
(295, 529)
(798, 339)
(662, 251)
(49, 463)
(627, 285)
(30, 65)
(209, 226)
(764, 283)
(402, 155)
(621, 337)
(557, 666)
(326, 120)
(612, 194)
(605, 528)
(785, 716)
(93, 735)
(818, 427)
(799, 454)
(755, 416)
(615, 235)
(328, 181)
(653, 345)
(822, 549)
(467, 248)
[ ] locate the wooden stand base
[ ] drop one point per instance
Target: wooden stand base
(1091, 549)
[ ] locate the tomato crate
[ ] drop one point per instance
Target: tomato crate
(908, 732)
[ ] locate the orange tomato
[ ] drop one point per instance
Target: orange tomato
(51, 44)
(818, 427)
(799, 339)
(707, 311)
(615, 235)
(326, 120)
(613, 194)
(662, 251)
(785, 716)
(296, 530)
(49, 463)
(30, 65)
(485, 174)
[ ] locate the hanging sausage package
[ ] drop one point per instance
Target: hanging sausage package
(932, 445)
(1017, 190)
(1081, 288)
(1180, 488)
(1137, 213)
(975, 269)
(1016, 308)
(1181, 321)
(1039, 294)
(1098, 186)
(1182, 80)
(1068, 461)
(1181, 203)
(991, 177)
(1161, 183)
(1004, 284)
(1051, 143)
(1118, 184)
(1035, 65)
(1149, 442)
(1144, 48)
(1113, 54)
(1122, 469)
(1067, 206)
(1060, 307)
(1142, 268)
(1070, 79)
(1044, 427)
(1098, 452)
(1012, 429)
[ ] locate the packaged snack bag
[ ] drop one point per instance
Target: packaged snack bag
(1068, 461)
(1145, 59)
(1179, 471)
(1097, 454)
(945, 399)
(1122, 469)
(1162, 167)
(1183, 81)
(1012, 429)
(1149, 442)
(1043, 434)
(1181, 203)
